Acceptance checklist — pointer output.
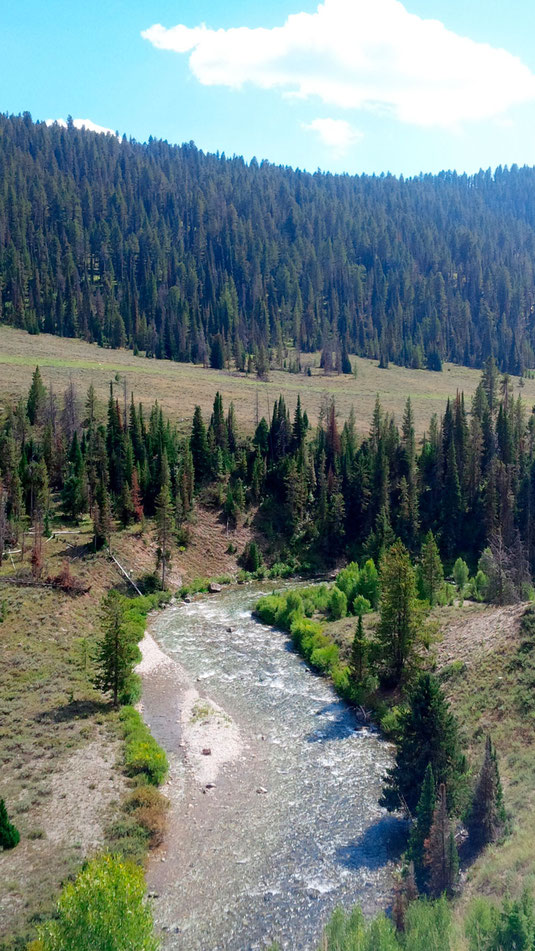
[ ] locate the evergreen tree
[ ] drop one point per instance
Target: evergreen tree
(487, 818)
(136, 498)
(441, 851)
(164, 528)
(251, 557)
(36, 398)
(422, 827)
(199, 448)
(217, 353)
(9, 835)
(74, 493)
(398, 624)
(431, 574)
(102, 517)
(428, 735)
(117, 652)
(359, 654)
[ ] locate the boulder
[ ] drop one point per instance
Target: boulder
(214, 588)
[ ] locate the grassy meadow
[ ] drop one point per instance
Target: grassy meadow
(178, 387)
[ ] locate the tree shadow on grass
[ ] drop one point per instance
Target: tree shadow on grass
(383, 841)
(74, 710)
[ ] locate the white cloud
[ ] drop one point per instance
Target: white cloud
(337, 134)
(360, 54)
(87, 124)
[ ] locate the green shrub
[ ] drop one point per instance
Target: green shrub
(104, 909)
(390, 722)
(342, 681)
(129, 839)
(268, 608)
(142, 752)
(131, 691)
(291, 607)
(9, 835)
(150, 583)
(223, 579)
(337, 604)
(281, 570)
(451, 671)
(304, 629)
(348, 581)
(251, 557)
(361, 605)
(369, 586)
(325, 658)
(479, 586)
(244, 576)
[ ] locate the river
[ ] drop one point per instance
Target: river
(293, 828)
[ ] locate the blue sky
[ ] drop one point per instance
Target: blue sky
(352, 86)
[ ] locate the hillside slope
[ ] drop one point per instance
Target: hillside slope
(192, 256)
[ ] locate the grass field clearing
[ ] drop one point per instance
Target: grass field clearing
(178, 387)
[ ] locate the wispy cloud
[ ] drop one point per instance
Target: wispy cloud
(82, 124)
(337, 134)
(360, 54)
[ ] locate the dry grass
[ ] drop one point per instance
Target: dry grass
(179, 387)
(58, 744)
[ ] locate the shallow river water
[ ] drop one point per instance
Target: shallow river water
(315, 837)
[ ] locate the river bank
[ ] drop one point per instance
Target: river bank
(279, 822)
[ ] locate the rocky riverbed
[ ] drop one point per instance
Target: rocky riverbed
(274, 785)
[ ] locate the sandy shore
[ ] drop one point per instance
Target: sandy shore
(216, 771)
(206, 736)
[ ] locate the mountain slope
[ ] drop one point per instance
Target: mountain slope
(191, 256)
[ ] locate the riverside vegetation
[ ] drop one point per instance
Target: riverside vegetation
(314, 498)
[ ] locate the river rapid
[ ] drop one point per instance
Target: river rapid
(292, 828)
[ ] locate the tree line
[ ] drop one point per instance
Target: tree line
(466, 493)
(198, 257)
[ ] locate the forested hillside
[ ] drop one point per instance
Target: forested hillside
(203, 258)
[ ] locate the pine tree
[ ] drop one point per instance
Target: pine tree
(102, 517)
(428, 735)
(3, 522)
(136, 497)
(359, 654)
(451, 502)
(218, 424)
(36, 399)
(431, 575)
(126, 505)
(486, 818)
(117, 652)
(298, 428)
(405, 892)
(164, 527)
(217, 353)
(422, 827)
(9, 835)
(441, 851)
(199, 448)
(74, 493)
(398, 625)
